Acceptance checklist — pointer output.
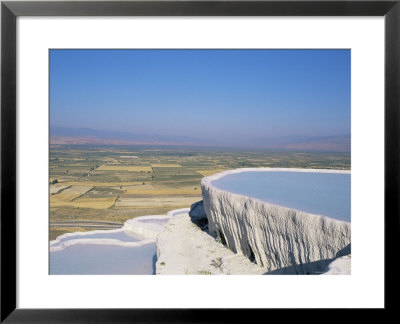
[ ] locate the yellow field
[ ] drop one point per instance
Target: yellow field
(172, 202)
(100, 184)
(56, 188)
(96, 203)
(107, 159)
(164, 192)
(121, 167)
(108, 151)
(69, 194)
(165, 165)
(207, 173)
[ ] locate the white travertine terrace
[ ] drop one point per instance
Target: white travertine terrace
(183, 248)
(339, 266)
(277, 238)
(148, 232)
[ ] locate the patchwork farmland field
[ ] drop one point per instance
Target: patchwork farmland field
(124, 167)
(116, 183)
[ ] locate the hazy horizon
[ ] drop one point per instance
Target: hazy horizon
(236, 96)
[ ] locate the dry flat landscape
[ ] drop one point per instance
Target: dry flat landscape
(98, 187)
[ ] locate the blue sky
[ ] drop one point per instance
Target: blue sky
(233, 95)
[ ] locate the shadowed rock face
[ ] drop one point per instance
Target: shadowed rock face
(280, 239)
(198, 215)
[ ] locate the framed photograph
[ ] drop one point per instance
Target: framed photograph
(163, 158)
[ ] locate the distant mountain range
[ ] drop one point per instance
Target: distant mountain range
(339, 143)
(63, 135)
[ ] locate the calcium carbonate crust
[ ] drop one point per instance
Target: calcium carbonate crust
(134, 226)
(277, 238)
(183, 249)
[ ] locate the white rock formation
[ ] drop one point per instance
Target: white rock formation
(183, 248)
(145, 227)
(280, 239)
(340, 266)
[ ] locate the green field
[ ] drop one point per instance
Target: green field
(116, 183)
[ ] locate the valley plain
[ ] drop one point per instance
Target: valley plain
(102, 186)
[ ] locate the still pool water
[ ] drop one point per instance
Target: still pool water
(101, 259)
(319, 193)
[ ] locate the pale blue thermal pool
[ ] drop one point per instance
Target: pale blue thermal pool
(102, 259)
(321, 193)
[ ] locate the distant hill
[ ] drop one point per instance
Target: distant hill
(63, 135)
(327, 143)
(340, 143)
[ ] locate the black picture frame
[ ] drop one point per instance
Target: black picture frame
(10, 10)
